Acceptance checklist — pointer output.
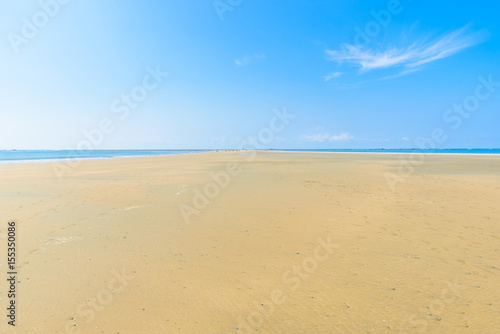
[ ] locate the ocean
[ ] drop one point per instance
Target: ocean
(52, 155)
(426, 151)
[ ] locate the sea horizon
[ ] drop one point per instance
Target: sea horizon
(20, 156)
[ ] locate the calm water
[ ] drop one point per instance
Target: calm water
(37, 155)
(448, 151)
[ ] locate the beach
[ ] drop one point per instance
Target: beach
(255, 242)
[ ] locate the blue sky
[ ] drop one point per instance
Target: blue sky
(356, 74)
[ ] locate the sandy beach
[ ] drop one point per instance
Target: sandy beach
(274, 242)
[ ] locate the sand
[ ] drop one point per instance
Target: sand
(284, 243)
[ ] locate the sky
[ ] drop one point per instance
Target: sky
(165, 74)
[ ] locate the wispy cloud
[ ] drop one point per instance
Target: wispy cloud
(332, 75)
(408, 58)
(341, 137)
(243, 61)
(400, 74)
(323, 137)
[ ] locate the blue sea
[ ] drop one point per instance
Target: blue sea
(427, 151)
(51, 155)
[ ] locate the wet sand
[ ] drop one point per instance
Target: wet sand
(274, 243)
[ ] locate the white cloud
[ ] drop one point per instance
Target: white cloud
(248, 59)
(400, 74)
(407, 57)
(316, 138)
(405, 138)
(330, 76)
(341, 137)
(242, 61)
(323, 137)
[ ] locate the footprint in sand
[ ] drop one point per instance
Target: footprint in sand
(61, 240)
(65, 227)
(25, 263)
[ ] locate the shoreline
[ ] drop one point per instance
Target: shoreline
(425, 153)
(91, 158)
(2, 162)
